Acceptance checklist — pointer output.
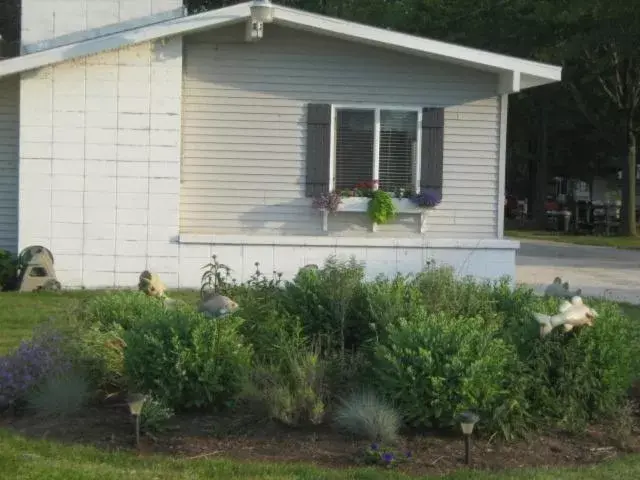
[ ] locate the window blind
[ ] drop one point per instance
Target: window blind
(398, 136)
(354, 147)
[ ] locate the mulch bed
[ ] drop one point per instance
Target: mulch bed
(210, 436)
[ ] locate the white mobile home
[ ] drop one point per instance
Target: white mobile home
(136, 137)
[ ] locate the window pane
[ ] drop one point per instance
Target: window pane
(398, 134)
(354, 147)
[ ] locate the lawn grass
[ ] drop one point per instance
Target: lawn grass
(626, 243)
(23, 459)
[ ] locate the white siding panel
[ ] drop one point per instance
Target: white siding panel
(244, 132)
(9, 128)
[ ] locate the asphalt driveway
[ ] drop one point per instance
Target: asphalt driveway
(598, 271)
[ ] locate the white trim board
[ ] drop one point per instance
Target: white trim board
(327, 241)
(510, 69)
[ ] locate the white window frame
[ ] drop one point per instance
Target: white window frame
(376, 140)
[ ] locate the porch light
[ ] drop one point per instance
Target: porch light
(261, 13)
(468, 420)
(136, 402)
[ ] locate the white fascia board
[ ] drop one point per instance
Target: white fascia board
(190, 24)
(415, 45)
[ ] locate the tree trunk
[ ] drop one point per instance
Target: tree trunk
(629, 186)
(541, 180)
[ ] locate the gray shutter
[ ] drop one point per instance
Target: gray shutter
(318, 148)
(432, 148)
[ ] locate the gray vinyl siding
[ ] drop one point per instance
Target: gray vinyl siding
(9, 128)
(244, 128)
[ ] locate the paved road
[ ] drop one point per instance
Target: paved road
(598, 271)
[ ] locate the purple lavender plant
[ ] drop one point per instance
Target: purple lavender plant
(328, 201)
(427, 198)
(33, 361)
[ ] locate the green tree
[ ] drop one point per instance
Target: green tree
(604, 68)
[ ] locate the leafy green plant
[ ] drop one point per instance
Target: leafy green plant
(98, 352)
(216, 278)
(434, 366)
(381, 208)
(8, 270)
(123, 308)
(364, 415)
(323, 298)
(291, 386)
(60, 395)
(186, 360)
(154, 416)
(583, 376)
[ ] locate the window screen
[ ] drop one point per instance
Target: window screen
(398, 135)
(354, 147)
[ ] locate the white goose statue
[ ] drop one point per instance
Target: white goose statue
(571, 314)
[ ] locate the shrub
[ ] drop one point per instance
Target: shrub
(8, 270)
(434, 366)
(443, 292)
(122, 308)
(291, 386)
(379, 304)
(98, 352)
(34, 361)
(585, 375)
(365, 416)
(323, 299)
(60, 395)
(154, 416)
(187, 360)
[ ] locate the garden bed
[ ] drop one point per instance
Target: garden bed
(328, 369)
(241, 439)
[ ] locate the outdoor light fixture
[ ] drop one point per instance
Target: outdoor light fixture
(136, 402)
(261, 13)
(468, 420)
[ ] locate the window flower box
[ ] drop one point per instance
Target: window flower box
(404, 206)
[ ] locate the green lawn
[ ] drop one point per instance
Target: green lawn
(628, 243)
(22, 458)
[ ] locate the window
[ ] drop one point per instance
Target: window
(377, 144)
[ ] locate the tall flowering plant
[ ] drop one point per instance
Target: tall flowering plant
(34, 360)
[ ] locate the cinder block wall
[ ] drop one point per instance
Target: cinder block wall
(47, 19)
(100, 150)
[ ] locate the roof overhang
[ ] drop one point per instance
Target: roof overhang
(514, 73)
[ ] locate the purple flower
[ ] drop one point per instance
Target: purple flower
(375, 447)
(408, 454)
(388, 457)
(30, 363)
(427, 198)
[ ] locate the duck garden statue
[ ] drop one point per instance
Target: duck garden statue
(216, 305)
(571, 314)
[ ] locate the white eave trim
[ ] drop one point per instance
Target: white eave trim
(538, 73)
(191, 24)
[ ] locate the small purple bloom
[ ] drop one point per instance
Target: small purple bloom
(375, 447)
(408, 454)
(388, 457)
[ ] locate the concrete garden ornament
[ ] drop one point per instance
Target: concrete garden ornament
(571, 314)
(151, 285)
(561, 290)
